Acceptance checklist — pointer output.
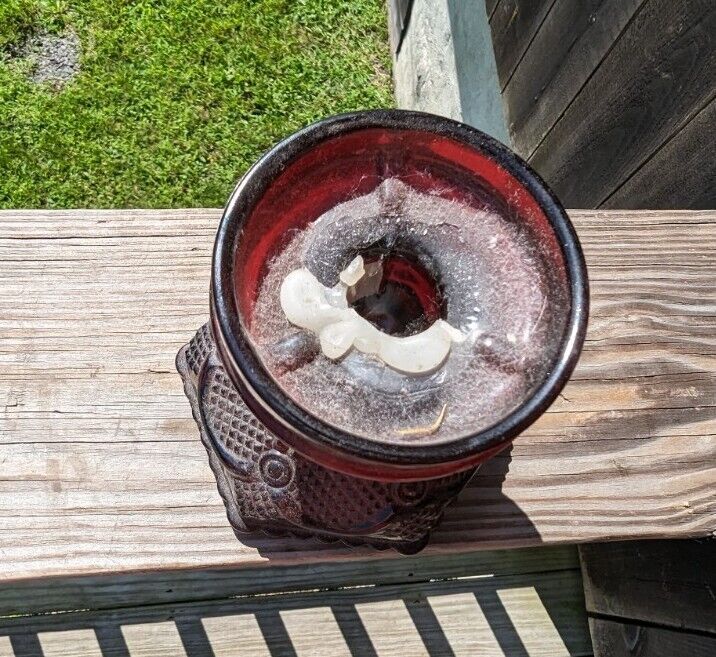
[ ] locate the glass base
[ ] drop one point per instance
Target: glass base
(268, 486)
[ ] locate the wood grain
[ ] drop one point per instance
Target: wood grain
(660, 73)
(514, 23)
(567, 48)
(102, 471)
(616, 639)
(668, 583)
(490, 616)
(121, 589)
(70, 642)
(680, 174)
(490, 6)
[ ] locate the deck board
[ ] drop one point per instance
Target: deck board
(537, 614)
(102, 471)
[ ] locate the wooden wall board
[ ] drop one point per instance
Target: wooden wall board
(616, 639)
(669, 583)
(680, 174)
(660, 73)
(571, 43)
(514, 23)
(490, 6)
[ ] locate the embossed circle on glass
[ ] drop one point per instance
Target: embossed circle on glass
(277, 470)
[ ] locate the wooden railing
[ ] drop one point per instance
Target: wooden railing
(106, 497)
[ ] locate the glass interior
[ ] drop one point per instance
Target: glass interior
(447, 235)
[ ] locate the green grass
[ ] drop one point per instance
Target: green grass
(176, 98)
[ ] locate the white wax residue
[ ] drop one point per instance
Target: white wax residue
(309, 304)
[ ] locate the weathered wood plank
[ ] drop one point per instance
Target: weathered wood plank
(490, 6)
(492, 616)
(668, 583)
(514, 23)
(70, 642)
(425, 69)
(152, 639)
(563, 26)
(102, 471)
(109, 590)
(615, 639)
(238, 635)
(681, 173)
(660, 73)
(568, 47)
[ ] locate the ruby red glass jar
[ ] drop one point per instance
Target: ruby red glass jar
(455, 228)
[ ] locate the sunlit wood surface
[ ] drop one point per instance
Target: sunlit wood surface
(106, 497)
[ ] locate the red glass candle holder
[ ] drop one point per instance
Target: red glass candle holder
(284, 465)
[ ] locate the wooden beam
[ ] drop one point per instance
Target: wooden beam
(102, 471)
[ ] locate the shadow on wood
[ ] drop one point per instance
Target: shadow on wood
(484, 489)
(541, 614)
(456, 609)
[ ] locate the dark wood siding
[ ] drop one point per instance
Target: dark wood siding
(570, 45)
(617, 639)
(611, 100)
(491, 5)
(651, 598)
(678, 173)
(514, 24)
(669, 583)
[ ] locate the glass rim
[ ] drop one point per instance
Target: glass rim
(320, 440)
